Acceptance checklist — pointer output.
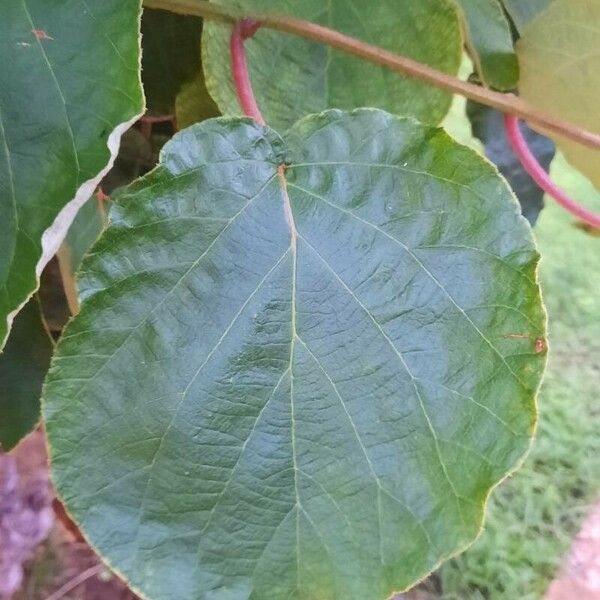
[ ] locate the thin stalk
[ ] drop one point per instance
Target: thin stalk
(239, 68)
(76, 581)
(533, 167)
(507, 103)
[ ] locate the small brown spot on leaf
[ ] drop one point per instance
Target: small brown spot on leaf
(40, 34)
(540, 345)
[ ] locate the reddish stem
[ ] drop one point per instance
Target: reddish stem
(243, 30)
(533, 167)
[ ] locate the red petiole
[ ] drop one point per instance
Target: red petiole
(533, 167)
(239, 68)
(246, 28)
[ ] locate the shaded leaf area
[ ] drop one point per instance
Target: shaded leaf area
(23, 366)
(70, 81)
(53, 299)
(301, 362)
(522, 12)
(488, 126)
(558, 52)
(138, 154)
(194, 103)
(84, 231)
(490, 43)
(171, 64)
(293, 77)
(59, 289)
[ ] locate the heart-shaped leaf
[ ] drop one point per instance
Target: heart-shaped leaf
(301, 362)
(69, 87)
(293, 77)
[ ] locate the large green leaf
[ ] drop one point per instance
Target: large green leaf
(558, 52)
(293, 77)
(23, 366)
(490, 42)
(69, 86)
(300, 381)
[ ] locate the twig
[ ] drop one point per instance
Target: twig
(533, 167)
(507, 103)
(78, 580)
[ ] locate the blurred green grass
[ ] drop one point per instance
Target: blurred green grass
(533, 516)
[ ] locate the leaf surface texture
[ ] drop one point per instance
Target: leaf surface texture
(301, 363)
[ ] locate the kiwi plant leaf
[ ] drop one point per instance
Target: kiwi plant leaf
(193, 103)
(522, 11)
(23, 366)
(490, 42)
(293, 77)
(301, 362)
(559, 71)
(69, 87)
(84, 231)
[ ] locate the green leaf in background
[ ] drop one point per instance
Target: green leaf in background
(488, 126)
(522, 11)
(560, 74)
(171, 61)
(84, 231)
(69, 87)
(193, 103)
(301, 362)
(490, 42)
(23, 366)
(293, 77)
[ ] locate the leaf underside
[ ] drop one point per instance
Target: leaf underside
(87, 226)
(522, 12)
(301, 362)
(69, 79)
(560, 75)
(293, 77)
